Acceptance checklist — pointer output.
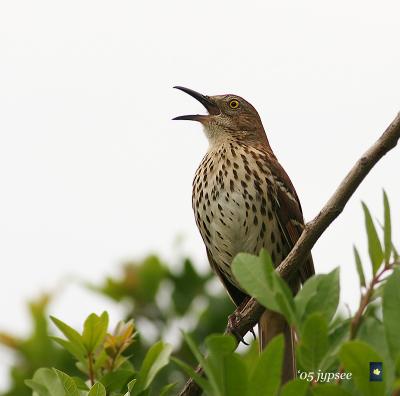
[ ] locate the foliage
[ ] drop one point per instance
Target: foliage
(143, 288)
(333, 351)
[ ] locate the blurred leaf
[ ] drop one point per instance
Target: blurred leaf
(336, 337)
(320, 293)
(359, 267)
(373, 333)
(270, 361)
(94, 331)
(187, 285)
(390, 307)
(313, 344)
(295, 387)
(374, 245)
(156, 358)
(329, 390)
(97, 390)
(139, 281)
(167, 389)
(258, 277)
(355, 357)
(387, 228)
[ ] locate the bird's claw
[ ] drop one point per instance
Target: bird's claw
(232, 321)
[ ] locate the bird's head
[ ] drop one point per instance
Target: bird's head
(229, 116)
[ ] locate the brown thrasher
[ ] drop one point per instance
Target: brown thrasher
(243, 201)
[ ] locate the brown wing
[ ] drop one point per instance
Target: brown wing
(236, 295)
(289, 214)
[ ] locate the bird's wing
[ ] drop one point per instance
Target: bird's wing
(236, 295)
(289, 213)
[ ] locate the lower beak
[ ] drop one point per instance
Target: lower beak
(210, 106)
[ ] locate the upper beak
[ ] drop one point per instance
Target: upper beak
(211, 107)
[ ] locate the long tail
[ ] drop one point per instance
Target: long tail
(271, 324)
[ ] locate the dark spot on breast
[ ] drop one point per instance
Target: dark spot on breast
(243, 183)
(255, 220)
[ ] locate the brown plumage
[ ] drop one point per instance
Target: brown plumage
(243, 201)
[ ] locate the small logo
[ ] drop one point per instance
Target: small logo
(376, 371)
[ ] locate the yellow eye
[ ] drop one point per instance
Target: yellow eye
(234, 104)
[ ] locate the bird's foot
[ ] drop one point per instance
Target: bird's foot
(233, 319)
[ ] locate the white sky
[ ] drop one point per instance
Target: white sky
(93, 170)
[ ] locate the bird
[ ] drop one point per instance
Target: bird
(244, 201)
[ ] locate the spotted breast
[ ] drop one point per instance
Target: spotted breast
(234, 194)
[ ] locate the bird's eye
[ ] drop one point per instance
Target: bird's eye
(234, 104)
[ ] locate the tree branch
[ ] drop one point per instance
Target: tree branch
(245, 318)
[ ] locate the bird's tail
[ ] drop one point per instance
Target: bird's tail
(271, 324)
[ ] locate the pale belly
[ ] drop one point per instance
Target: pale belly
(237, 221)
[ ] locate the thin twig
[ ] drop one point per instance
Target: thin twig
(248, 316)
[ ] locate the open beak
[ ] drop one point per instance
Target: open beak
(210, 106)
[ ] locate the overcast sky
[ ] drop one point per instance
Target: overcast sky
(92, 169)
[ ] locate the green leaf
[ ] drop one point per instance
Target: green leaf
(329, 390)
(235, 376)
(336, 337)
(46, 383)
(320, 294)
(306, 293)
(270, 361)
(374, 245)
(156, 358)
(258, 277)
(67, 383)
(97, 390)
(207, 367)
(359, 267)
(71, 334)
(166, 390)
(390, 307)
(355, 357)
(229, 372)
(201, 381)
(94, 331)
(37, 387)
(218, 346)
(72, 348)
(117, 380)
(313, 344)
(295, 387)
(372, 332)
(387, 228)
